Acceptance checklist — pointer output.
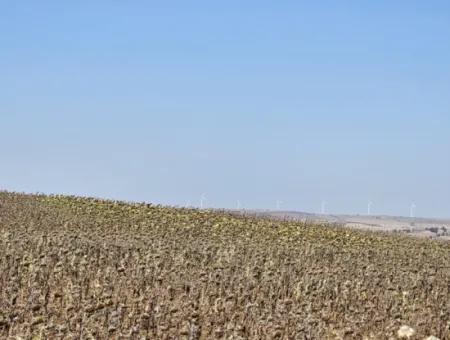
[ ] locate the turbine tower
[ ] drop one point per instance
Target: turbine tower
(412, 210)
(369, 208)
(202, 200)
(323, 208)
(238, 205)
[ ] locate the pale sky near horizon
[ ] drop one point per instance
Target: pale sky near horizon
(257, 101)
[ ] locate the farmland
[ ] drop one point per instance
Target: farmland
(84, 268)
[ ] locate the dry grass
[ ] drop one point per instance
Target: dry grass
(73, 268)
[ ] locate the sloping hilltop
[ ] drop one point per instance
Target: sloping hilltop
(78, 268)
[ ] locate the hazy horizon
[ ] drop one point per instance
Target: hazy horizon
(254, 101)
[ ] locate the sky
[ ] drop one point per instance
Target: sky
(162, 101)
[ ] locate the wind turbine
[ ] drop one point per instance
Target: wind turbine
(412, 210)
(279, 203)
(323, 207)
(369, 208)
(188, 204)
(202, 200)
(238, 205)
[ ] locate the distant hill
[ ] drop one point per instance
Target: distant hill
(420, 227)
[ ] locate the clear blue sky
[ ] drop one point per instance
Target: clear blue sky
(343, 101)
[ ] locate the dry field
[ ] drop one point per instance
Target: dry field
(73, 268)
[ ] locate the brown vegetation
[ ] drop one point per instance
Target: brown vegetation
(73, 268)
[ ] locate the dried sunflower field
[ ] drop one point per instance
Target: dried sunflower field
(79, 268)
